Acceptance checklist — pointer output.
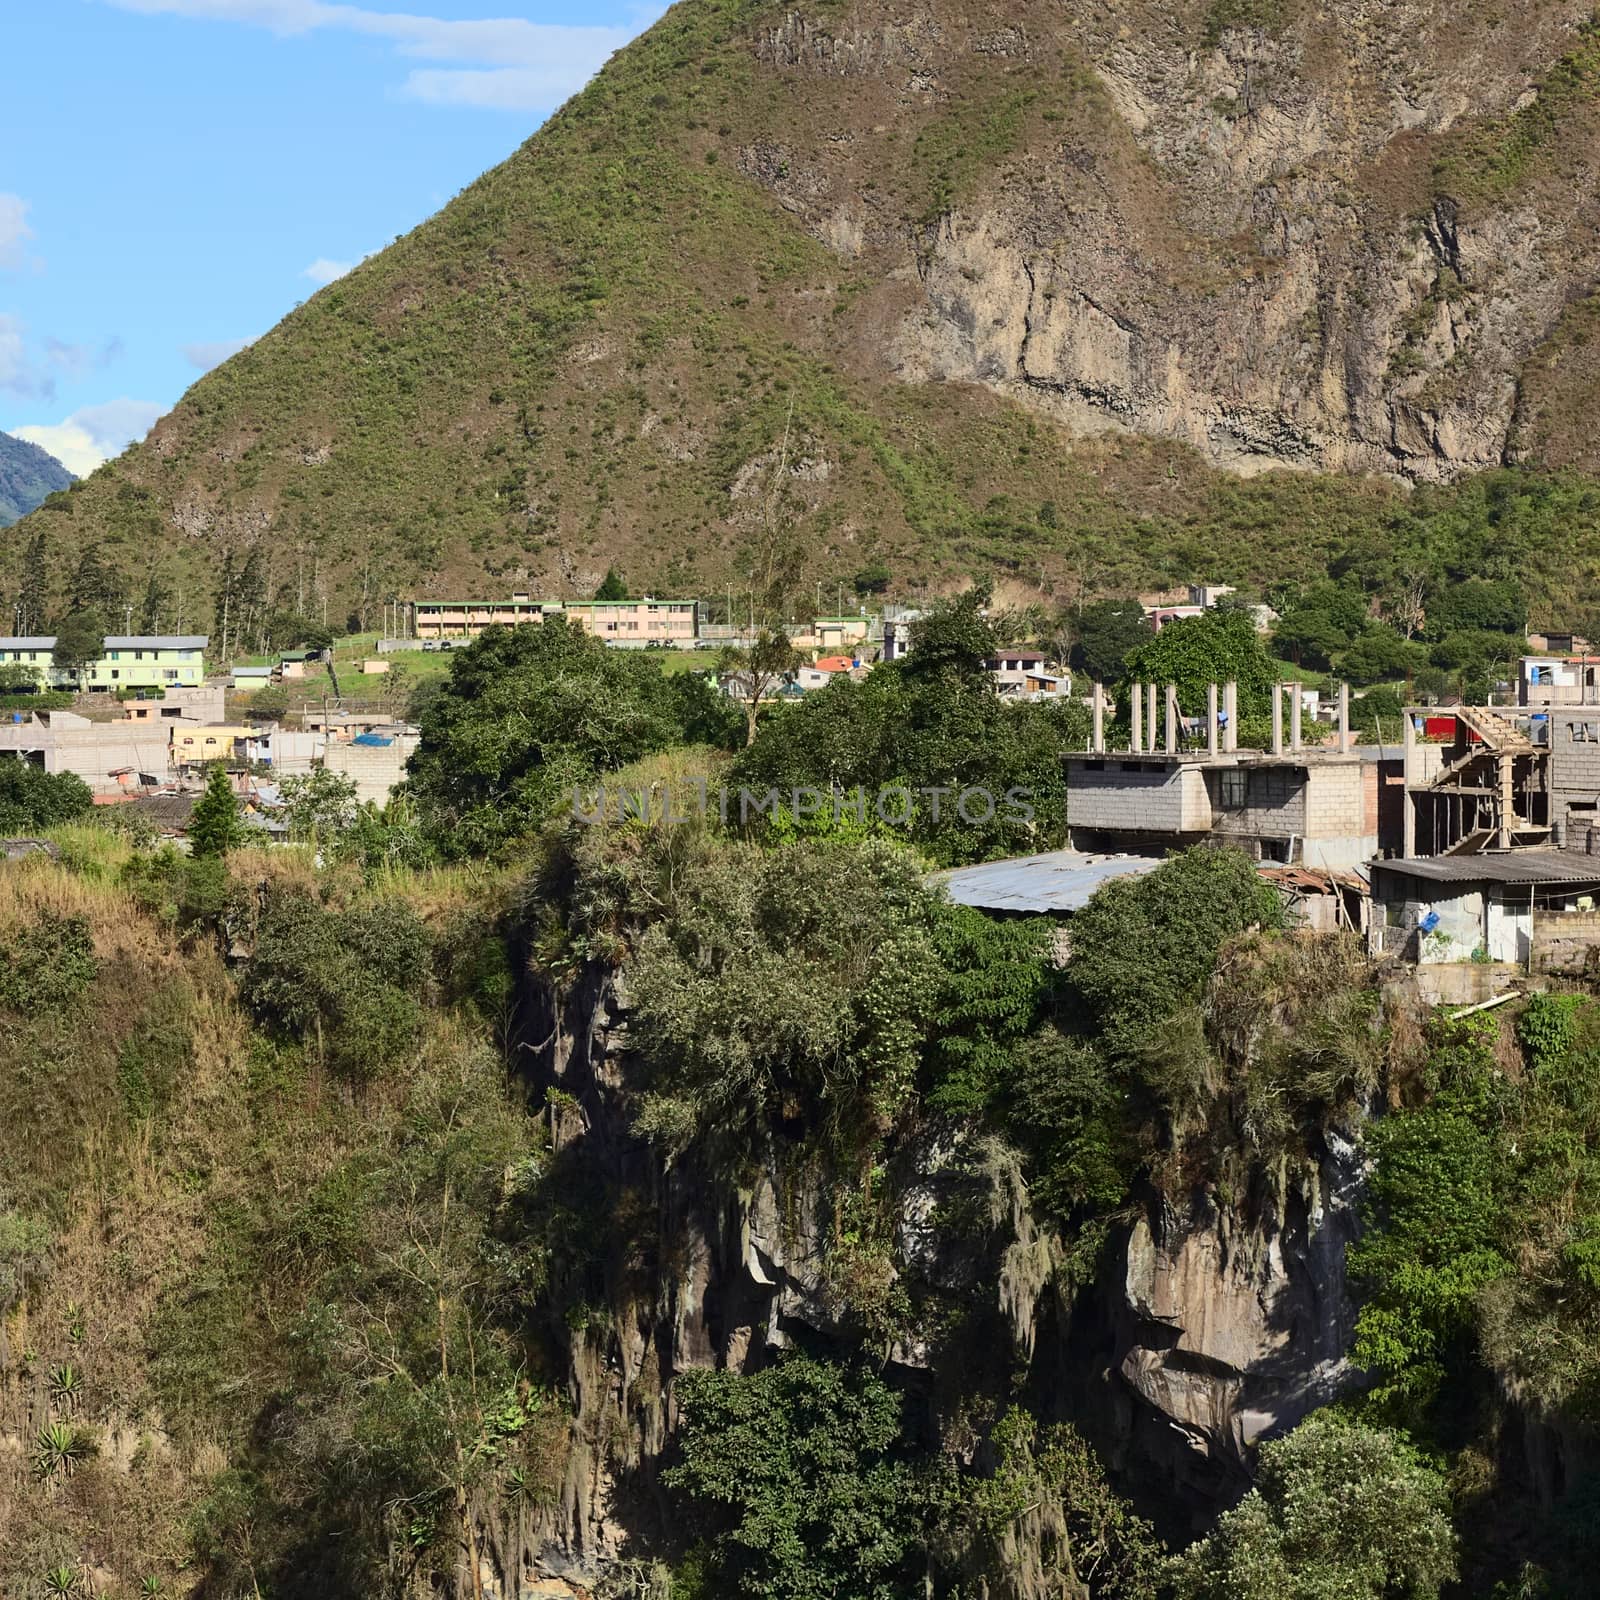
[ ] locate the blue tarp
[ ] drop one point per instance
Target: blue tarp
(371, 739)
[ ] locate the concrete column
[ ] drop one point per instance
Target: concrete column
(1344, 719)
(1230, 702)
(1172, 719)
(1152, 726)
(1211, 720)
(1136, 713)
(1099, 698)
(1408, 837)
(1507, 805)
(1297, 707)
(1277, 719)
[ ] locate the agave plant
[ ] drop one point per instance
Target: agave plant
(61, 1579)
(66, 1383)
(149, 1587)
(57, 1448)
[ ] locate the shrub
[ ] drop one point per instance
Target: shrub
(47, 966)
(1339, 1512)
(32, 799)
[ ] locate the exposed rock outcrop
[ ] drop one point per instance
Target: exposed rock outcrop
(1218, 1328)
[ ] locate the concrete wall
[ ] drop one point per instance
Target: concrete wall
(1566, 942)
(377, 769)
(1574, 764)
(1120, 795)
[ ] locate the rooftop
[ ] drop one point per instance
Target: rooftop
(1060, 880)
(38, 642)
(1512, 866)
(157, 641)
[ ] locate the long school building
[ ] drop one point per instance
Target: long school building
(646, 621)
(127, 661)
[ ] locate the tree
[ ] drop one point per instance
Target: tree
(33, 602)
(759, 670)
(527, 715)
(1318, 625)
(31, 798)
(215, 828)
(799, 1476)
(872, 579)
(153, 608)
(320, 806)
(612, 586)
(80, 639)
(1212, 648)
(1144, 947)
(1104, 633)
(1339, 1512)
(1380, 655)
(97, 587)
(1478, 605)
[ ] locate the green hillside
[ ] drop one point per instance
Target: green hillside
(1007, 289)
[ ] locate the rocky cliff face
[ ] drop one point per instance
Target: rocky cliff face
(1227, 234)
(1204, 1333)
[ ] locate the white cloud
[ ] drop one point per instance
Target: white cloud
(14, 230)
(508, 64)
(212, 353)
(19, 372)
(322, 271)
(95, 434)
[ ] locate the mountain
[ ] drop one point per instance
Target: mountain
(27, 476)
(1095, 296)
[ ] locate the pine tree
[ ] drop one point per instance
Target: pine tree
(224, 604)
(96, 586)
(154, 606)
(252, 598)
(215, 828)
(33, 603)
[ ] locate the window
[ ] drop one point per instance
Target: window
(1235, 788)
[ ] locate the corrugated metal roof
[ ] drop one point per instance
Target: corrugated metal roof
(41, 642)
(1060, 880)
(1515, 866)
(157, 641)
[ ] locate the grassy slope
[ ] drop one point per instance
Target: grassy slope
(167, 1140)
(593, 354)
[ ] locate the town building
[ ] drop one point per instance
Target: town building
(1025, 675)
(1534, 909)
(128, 661)
(203, 743)
(202, 704)
(621, 622)
(1295, 803)
(112, 758)
(1563, 680)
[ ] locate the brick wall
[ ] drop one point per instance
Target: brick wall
(1566, 942)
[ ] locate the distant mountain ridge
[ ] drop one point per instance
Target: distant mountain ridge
(28, 477)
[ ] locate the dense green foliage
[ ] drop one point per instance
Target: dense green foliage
(1103, 633)
(1145, 946)
(1339, 1512)
(348, 983)
(47, 966)
(32, 799)
(803, 1482)
(924, 748)
(530, 715)
(1216, 647)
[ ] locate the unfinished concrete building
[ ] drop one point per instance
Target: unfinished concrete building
(1183, 782)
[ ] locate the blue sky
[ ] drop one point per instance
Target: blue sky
(176, 174)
